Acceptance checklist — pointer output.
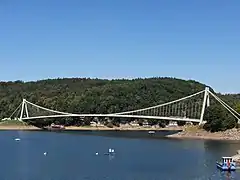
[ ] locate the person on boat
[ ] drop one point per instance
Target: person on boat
(228, 163)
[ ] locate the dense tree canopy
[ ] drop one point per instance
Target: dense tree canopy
(82, 95)
(218, 118)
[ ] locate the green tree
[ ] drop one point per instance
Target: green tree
(181, 123)
(162, 123)
(116, 122)
(218, 119)
(152, 122)
(140, 122)
(87, 121)
(238, 107)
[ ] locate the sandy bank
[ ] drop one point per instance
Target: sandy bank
(18, 128)
(84, 128)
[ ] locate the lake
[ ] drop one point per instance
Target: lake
(139, 156)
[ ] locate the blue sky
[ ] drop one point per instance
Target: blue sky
(190, 39)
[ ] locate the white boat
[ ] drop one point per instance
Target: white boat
(151, 132)
(227, 164)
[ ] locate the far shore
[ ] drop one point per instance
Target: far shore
(192, 132)
(90, 128)
(122, 128)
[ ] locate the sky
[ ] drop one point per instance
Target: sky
(189, 39)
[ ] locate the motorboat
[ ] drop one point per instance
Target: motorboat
(54, 127)
(151, 132)
(227, 164)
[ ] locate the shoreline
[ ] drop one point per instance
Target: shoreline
(86, 128)
(228, 135)
(191, 132)
(195, 137)
(122, 128)
(15, 127)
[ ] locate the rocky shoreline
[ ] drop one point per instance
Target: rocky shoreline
(231, 134)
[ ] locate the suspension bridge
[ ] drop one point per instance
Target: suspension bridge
(190, 109)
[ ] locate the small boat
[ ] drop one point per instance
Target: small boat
(110, 152)
(151, 132)
(227, 164)
(54, 127)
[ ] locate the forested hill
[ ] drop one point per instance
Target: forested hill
(81, 95)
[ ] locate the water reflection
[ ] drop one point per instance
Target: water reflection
(124, 134)
(222, 148)
(111, 157)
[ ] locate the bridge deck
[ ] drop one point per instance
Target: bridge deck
(115, 115)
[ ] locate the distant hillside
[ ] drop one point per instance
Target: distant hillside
(231, 98)
(94, 95)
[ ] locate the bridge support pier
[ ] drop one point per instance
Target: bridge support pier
(24, 108)
(205, 99)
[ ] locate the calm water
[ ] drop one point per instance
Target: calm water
(139, 156)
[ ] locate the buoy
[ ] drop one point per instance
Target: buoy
(109, 150)
(96, 153)
(45, 153)
(17, 139)
(112, 150)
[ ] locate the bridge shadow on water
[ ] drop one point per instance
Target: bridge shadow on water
(134, 134)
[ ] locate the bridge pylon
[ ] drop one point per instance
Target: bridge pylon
(24, 109)
(205, 103)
